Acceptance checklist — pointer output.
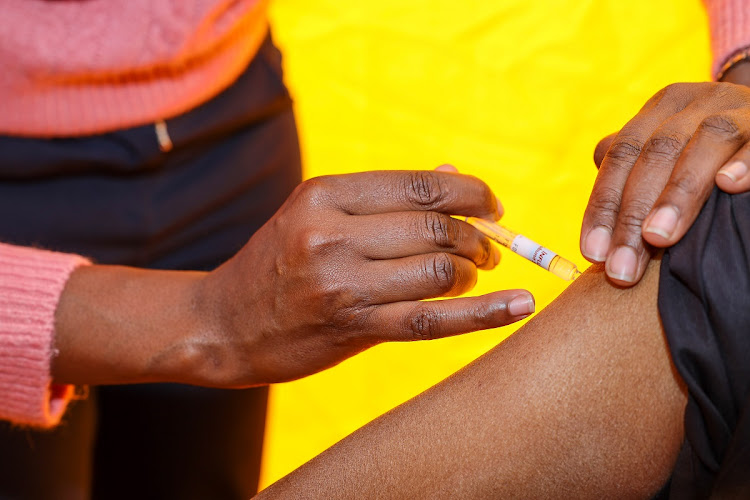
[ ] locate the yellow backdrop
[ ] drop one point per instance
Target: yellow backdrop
(516, 92)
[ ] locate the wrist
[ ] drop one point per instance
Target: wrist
(117, 325)
(228, 337)
(738, 73)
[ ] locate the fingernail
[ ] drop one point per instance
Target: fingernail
(735, 170)
(663, 222)
(596, 245)
(523, 304)
(622, 264)
(446, 168)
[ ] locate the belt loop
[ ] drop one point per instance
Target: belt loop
(162, 135)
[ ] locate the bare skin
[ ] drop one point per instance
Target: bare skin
(582, 402)
(342, 266)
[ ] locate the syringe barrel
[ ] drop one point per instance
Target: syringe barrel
(523, 246)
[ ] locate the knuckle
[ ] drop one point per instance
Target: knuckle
(489, 316)
(314, 190)
(658, 97)
(424, 189)
(671, 88)
(665, 93)
(441, 229)
(423, 323)
(686, 185)
(677, 88)
(720, 91)
(624, 151)
(443, 271)
(352, 318)
(631, 218)
(605, 205)
(722, 126)
(673, 97)
(338, 299)
(665, 147)
(317, 242)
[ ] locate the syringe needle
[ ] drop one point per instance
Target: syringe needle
(517, 243)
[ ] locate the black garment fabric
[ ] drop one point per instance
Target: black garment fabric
(704, 303)
(119, 199)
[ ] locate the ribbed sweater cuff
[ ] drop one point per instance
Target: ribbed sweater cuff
(729, 22)
(31, 282)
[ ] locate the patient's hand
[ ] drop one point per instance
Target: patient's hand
(656, 173)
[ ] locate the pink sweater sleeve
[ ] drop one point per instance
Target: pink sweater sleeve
(31, 282)
(729, 22)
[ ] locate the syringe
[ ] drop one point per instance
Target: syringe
(536, 253)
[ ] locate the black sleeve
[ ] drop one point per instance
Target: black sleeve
(704, 303)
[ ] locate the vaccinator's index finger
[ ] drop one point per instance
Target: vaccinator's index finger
(378, 192)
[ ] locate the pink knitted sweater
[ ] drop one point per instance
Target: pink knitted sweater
(81, 67)
(88, 66)
(85, 66)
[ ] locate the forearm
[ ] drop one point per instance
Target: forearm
(581, 403)
(117, 325)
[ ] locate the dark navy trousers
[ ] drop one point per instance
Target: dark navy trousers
(119, 199)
